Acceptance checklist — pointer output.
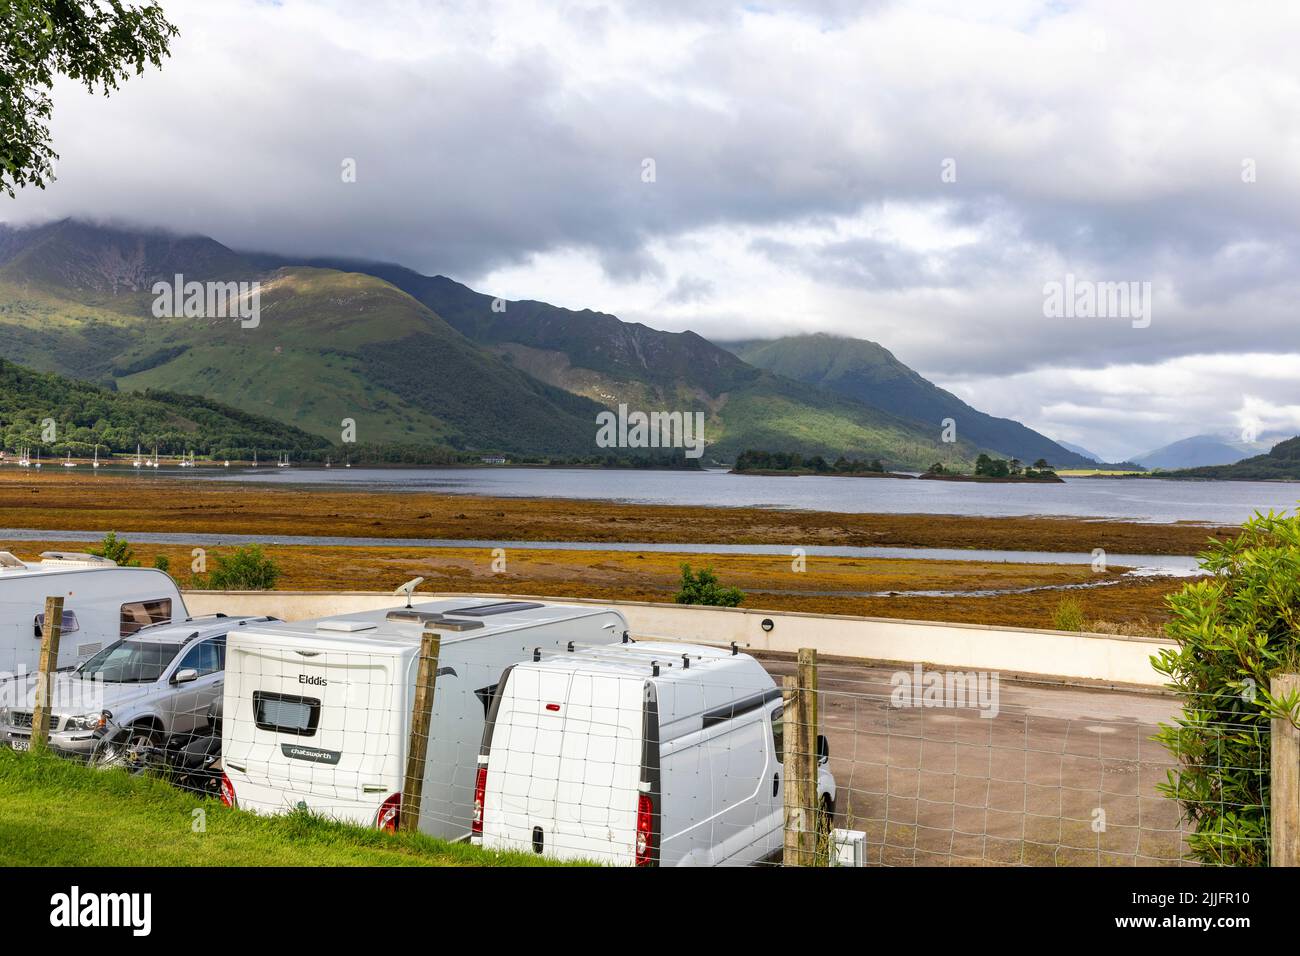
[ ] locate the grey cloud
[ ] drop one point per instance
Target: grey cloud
(689, 289)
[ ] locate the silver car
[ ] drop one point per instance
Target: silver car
(133, 696)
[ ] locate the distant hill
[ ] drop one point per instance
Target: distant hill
(1193, 452)
(1281, 462)
(1201, 450)
(1079, 450)
(76, 299)
(869, 373)
(600, 357)
(421, 360)
(86, 415)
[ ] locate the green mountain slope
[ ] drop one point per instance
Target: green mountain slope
(424, 360)
(86, 415)
(1280, 463)
(331, 346)
(869, 373)
(598, 356)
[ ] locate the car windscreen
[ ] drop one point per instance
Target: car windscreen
(130, 662)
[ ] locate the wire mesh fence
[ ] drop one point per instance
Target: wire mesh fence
(962, 768)
(562, 737)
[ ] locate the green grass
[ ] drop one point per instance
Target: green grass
(54, 812)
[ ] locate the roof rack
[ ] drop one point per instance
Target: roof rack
(647, 653)
(733, 646)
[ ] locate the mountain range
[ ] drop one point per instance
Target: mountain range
(424, 359)
(1202, 450)
(869, 373)
(1281, 462)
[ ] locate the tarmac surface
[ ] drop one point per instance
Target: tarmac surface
(1055, 776)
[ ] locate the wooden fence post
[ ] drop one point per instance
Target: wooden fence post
(421, 715)
(51, 632)
(800, 730)
(1284, 785)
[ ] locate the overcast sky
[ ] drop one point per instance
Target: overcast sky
(909, 173)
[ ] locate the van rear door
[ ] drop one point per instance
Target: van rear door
(321, 728)
(564, 767)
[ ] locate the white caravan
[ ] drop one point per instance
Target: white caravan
(317, 713)
(101, 603)
(651, 754)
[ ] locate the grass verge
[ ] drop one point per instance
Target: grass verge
(54, 812)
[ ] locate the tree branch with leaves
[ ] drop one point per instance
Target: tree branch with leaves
(99, 43)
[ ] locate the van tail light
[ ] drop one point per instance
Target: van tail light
(228, 792)
(644, 830)
(480, 794)
(389, 811)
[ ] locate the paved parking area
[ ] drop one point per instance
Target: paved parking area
(1060, 776)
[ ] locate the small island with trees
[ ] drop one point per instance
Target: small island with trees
(990, 469)
(987, 468)
(754, 462)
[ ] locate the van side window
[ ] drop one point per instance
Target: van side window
(205, 657)
(139, 614)
(778, 733)
(69, 624)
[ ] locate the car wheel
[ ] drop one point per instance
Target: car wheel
(135, 750)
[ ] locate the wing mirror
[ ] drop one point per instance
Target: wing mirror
(185, 675)
(823, 748)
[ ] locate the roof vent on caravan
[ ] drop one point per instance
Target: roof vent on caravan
(432, 619)
(7, 560)
(501, 607)
(345, 625)
(76, 559)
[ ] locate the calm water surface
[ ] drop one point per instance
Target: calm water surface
(1135, 499)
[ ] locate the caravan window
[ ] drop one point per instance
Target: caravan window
(69, 624)
(285, 714)
(140, 614)
(778, 733)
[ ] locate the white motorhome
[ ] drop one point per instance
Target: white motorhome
(651, 754)
(101, 604)
(318, 713)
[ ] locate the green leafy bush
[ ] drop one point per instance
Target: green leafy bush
(248, 569)
(1233, 632)
(116, 549)
(702, 588)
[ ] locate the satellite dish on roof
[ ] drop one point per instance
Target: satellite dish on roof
(408, 589)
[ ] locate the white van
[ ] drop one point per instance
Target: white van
(317, 713)
(101, 604)
(652, 754)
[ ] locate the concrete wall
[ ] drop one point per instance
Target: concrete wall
(1102, 658)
